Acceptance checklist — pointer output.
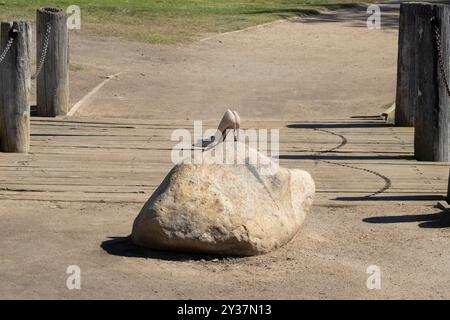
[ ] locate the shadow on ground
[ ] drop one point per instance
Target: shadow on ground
(124, 247)
(393, 198)
(338, 125)
(339, 157)
(435, 220)
(357, 15)
(321, 154)
(284, 13)
(374, 117)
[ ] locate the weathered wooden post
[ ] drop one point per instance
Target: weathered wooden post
(15, 84)
(448, 188)
(405, 101)
(52, 46)
(431, 136)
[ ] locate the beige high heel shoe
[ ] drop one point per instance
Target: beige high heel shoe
(230, 121)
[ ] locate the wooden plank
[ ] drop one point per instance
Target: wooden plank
(65, 167)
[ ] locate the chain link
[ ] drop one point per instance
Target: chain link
(44, 52)
(437, 38)
(5, 52)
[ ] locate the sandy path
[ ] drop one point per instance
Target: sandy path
(303, 68)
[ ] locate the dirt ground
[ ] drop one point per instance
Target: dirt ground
(313, 68)
(302, 68)
(327, 259)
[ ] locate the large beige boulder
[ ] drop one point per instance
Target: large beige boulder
(225, 209)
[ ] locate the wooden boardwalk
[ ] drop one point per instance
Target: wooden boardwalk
(359, 161)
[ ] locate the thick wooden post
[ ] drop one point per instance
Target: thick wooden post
(431, 138)
(15, 84)
(405, 102)
(53, 80)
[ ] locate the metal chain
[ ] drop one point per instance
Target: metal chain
(5, 52)
(437, 38)
(44, 52)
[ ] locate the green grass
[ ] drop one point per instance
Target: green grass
(170, 21)
(75, 67)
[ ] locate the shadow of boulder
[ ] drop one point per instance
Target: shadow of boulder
(124, 247)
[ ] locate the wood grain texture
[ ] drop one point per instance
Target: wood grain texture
(15, 84)
(406, 66)
(431, 118)
(53, 81)
(124, 160)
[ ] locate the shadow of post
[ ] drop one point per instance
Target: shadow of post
(435, 220)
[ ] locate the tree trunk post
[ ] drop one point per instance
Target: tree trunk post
(15, 85)
(53, 79)
(431, 138)
(405, 102)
